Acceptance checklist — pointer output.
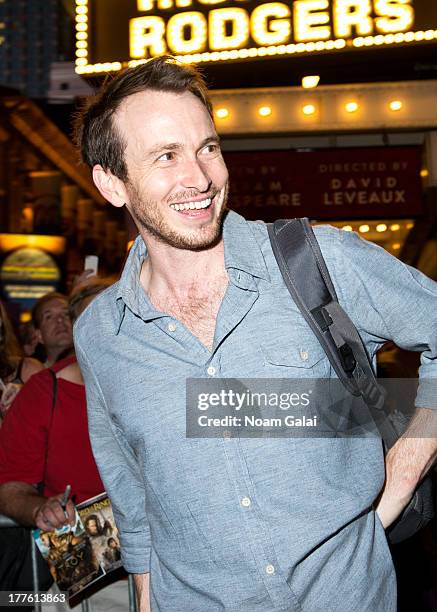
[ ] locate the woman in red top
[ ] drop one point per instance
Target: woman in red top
(44, 439)
(15, 368)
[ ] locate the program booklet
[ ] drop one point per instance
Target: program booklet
(81, 555)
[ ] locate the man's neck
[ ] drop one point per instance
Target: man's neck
(177, 271)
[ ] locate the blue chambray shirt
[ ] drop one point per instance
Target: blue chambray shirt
(247, 525)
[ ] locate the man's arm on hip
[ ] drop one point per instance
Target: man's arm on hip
(407, 462)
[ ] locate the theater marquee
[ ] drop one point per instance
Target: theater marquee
(111, 34)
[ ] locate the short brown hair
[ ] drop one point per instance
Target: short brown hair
(96, 136)
(45, 299)
(88, 288)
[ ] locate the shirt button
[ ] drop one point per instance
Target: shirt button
(171, 327)
(211, 370)
(245, 502)
(227, 434)
(304, 355)
(270, 570)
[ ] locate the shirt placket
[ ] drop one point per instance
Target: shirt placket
(258, 539)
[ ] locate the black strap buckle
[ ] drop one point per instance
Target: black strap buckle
(348, 360)
(322, 317)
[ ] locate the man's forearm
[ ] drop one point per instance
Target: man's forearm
(20, 501)
(406, 464)
(142, 586)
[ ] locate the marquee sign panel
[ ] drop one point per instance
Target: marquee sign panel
(111, 34)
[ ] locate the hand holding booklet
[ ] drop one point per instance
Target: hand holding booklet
(81, 555)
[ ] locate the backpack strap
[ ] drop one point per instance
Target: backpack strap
(40, 485)
(54, 390)
(307, 278)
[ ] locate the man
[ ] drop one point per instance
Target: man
(53, 325)
(269, 525)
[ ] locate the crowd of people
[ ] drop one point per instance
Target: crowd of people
(44, 442)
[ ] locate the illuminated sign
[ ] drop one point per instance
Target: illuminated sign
(381, 182)
(29, 266)
(111, 34)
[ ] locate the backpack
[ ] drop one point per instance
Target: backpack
(307, 278)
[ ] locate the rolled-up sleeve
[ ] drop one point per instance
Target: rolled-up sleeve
(119, 472)
(388, 300)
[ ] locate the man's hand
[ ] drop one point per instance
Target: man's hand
(50, 515)
(142, 586)
(406, 464)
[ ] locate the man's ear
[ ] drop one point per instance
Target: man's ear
(110, 186)
(39, 335)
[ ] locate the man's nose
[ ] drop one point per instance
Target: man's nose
(195, 176)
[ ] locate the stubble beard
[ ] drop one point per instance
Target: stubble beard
(146, 214)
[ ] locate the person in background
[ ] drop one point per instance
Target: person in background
(15, 368)
(36, 423)
(29, 340)
(53, 325)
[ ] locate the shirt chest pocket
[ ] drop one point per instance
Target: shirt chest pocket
(289, 359)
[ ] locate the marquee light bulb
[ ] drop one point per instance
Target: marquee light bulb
(308, 82)
(309, 109)
(395, 105)
(222, 113)
(351, 107)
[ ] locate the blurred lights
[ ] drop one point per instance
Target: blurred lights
(25, 316)
(381, 227)
(222, 113)
(363, 229)
(309, 109)
(347, 228)
(309, 82)
(395, 227)
(424, 173)
(351, 107)
(395, 105)
(396, 246)
(264, 111)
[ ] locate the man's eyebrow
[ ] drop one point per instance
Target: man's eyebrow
(213, 138)
(170, 146)
(177, 146)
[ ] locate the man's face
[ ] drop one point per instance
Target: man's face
(55, 326)
(92, 527)
(177, 180)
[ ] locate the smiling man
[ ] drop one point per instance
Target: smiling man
(235, 524)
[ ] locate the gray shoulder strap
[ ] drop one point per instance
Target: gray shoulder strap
(307, 278)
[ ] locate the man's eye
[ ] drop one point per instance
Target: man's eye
(167, 156)
(212, 147)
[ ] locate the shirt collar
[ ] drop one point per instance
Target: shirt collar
(242, 253)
